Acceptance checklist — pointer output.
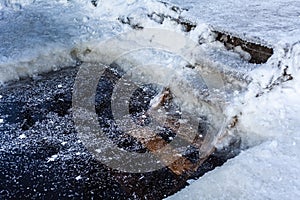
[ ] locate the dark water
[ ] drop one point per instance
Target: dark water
(52, 163)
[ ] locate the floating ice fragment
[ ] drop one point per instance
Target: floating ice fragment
(1, 96)
(23, 136)
(59, 86)
(78, 178)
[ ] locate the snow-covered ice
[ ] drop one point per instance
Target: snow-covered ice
(40, 36)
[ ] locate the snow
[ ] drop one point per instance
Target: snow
(267, 171)
(52, 158)
(22, 136)
(38, 36)
(270, 168)
(43, 35)
(78, 178)
(269, 21)
(268, 123)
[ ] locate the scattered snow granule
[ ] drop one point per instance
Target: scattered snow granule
(1, 96)
(59, 86)
(85, 19)
(1, 121)
(23, 136)
(78, 178)
(182, 121)
(98, 150)
(236, 92)
(78, 154)
(64, 143)
(52, 158)
(178, 112)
